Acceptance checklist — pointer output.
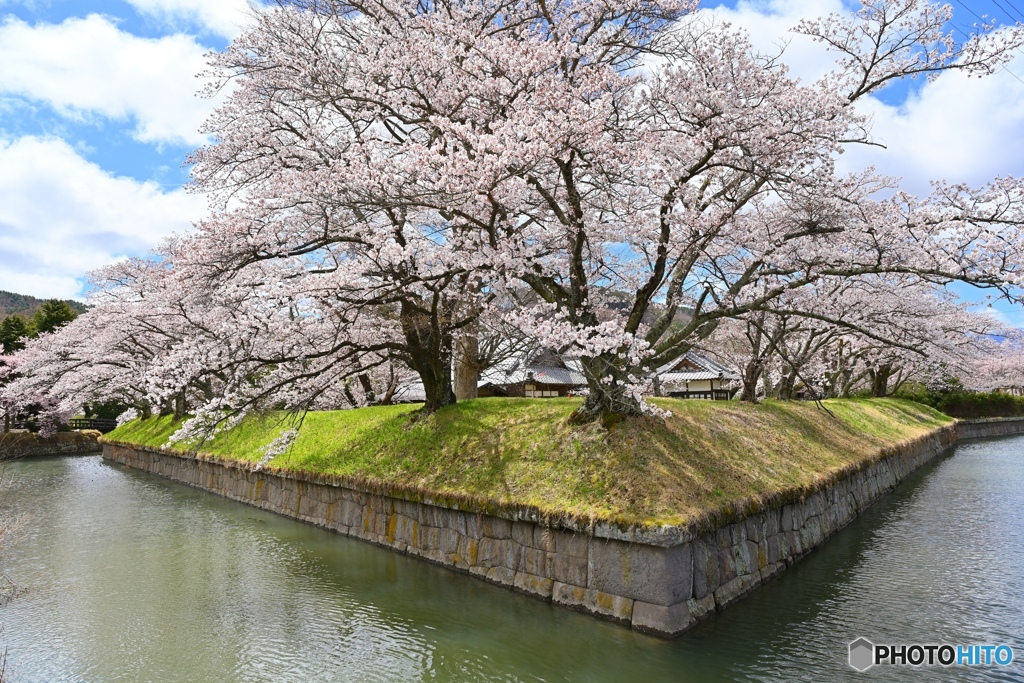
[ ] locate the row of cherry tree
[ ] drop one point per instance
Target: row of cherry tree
(619, 180)
(871, 335)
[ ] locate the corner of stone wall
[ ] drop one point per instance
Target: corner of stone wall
(661, 587)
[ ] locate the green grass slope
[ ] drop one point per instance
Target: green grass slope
(706, 462)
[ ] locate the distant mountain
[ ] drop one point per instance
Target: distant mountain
(27, 305)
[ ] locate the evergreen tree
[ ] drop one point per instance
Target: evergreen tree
(53, 314)
(13, 331)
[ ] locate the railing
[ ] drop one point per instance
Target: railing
(103, 425)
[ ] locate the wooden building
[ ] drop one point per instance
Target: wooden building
(697, 376)
(542, 375)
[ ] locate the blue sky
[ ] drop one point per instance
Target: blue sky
(98, 113)
(111, 141)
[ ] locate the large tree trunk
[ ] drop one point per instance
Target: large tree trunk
(179, 407)
(430, 355)
(608, 398)
(364, 382)
(784, 391)
(440, 393)
(880, 380)
(346, 390)
(467, 367)
(751, 375)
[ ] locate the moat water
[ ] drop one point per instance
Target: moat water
(124, 576)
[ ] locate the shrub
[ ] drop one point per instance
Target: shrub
(965, 404)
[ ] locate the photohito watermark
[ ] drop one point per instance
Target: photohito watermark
(864, 654)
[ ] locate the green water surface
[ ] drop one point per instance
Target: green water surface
(129, 577)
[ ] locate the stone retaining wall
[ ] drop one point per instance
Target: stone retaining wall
(998, 426)
(658, 581)
(28, 445)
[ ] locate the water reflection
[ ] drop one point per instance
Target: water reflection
(134, 578)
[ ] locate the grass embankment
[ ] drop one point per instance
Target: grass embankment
(706, 462)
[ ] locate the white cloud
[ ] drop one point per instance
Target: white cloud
(88, 66)
(223, 17)
(955, 128)
(62, 216)
(999, 318)
(769, 24)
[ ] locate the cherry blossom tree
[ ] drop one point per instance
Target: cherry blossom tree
(841, 334)
(999, 367)
(153, 341)
(386, 173)
(432, 154)
(7, 406)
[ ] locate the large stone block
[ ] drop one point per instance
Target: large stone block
(522, 533)
(606, 605)
(431, 515)
(772, 522)
(723, 538)
(536, 562)
(729, 592)
(567, 543)
(737, 533)
(537, 586)
(701, 608)
(758, 553)
(744, 563)
(786, 518)
(430, 538)
(305, 506)
(351, 514)
(290, 500)
(726, 564)
(492, 552)
(811, 533)
(449, 542)
(501, 552)
(408, 508)
(660, 619)
(568, 569)
(793, 545)
(774, 549)
(318, 513)
(771, 570)
(468, 552)
(408, 530)
(661, 576)
(755, 527)
(542, 539)
(501, 575)
(494, 527)
(475, 526)
(461, 521)
(705, 568)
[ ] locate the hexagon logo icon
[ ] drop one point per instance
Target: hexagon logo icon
(862, 654)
